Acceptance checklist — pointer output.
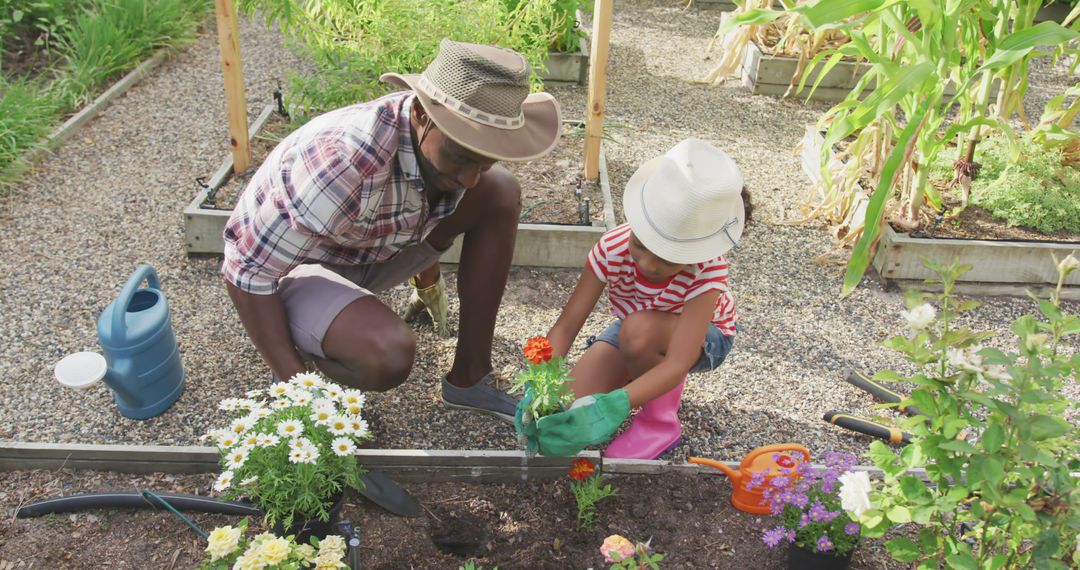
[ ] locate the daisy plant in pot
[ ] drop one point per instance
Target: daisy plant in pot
(546, 384)
(816, 510)
(290, 451)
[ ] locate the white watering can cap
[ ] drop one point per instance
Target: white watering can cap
(81, 370)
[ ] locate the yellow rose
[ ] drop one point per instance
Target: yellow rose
(222, 542)
(249, 560)
(273, 551)
(328, 561)
(332, 544)
(307, 552)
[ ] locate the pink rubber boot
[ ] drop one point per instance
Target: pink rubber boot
(654, 431)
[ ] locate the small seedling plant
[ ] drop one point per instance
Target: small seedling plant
(587, 490)
(546, 377)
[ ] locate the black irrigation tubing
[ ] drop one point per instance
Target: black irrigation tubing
(135, 500)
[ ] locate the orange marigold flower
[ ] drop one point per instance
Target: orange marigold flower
(581, 469)
(538, 349)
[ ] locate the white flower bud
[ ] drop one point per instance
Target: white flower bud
(920, 317)
(1068, 265)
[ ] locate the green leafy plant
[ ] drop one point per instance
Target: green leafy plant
(473, 565)
(546, 378)
(930, 71)
(1040, 190)
(587, 490)
(625, 555)
(352, 43)
(292, 455)
(227, 547)
(999, 456)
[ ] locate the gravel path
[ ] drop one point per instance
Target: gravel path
(82, 222)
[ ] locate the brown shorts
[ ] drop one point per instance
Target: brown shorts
(314, 294)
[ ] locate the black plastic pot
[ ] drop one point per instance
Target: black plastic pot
(802, 558)
(305, 529)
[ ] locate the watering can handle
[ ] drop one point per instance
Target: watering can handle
(142, 272)
(776, 448)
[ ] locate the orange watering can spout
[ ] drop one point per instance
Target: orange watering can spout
(760, 460)
(732, 474)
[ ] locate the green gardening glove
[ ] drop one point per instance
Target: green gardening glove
(525, 424)
(589, 421)
(433, 300)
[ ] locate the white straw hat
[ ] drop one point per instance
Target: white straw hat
(686, 205)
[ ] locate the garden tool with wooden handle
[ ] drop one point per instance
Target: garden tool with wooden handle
(431, 299)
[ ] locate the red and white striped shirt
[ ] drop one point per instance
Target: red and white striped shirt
(628, 291)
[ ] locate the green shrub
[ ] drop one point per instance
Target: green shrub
(114, 36)
(1037, 191)
(25, 118)
(352, 43)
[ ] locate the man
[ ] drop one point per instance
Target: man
(362, 198)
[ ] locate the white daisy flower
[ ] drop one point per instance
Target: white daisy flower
(227, 440)
(290, 428)
(300, 443)
(296, 456)
(358, 427)
(321, 416)
(229, 404)
(280, 404)
(338, 425)
(246, 404)
(253, 393)
(309, 455)
(353, 397)
(250, 440)
(323, 403)
(237, 457)
(333, 391)
(249, 480)
(241, 425)
(223, 481)
(279, 389)
(300, 397)
(343, 446)
(308, 380)
(268, 440)
(353, 409)
(258, 414)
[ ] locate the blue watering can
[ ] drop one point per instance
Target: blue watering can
(142, 362)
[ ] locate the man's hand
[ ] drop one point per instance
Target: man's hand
(433, 300)
(589, 421)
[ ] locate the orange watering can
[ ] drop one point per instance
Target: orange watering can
(758, 460)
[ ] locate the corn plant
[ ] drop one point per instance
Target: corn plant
(930, 73)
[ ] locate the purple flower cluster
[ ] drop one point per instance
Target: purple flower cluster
(773, 536)
(794, 483)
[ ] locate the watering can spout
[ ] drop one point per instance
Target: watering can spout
(732, 474)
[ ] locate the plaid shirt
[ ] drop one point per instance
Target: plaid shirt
(343, 189)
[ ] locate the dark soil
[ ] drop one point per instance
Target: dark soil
(549, 186)
(276, 128)
(19, 57)
(522, 525)
(975, 222)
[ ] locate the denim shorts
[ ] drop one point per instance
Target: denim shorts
(713, 352)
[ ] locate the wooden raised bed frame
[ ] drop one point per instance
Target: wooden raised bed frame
(998, 267)
(537, 245)
(406, 465)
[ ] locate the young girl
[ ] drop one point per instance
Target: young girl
(667, 281)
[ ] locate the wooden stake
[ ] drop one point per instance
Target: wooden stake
(229, 44)
(594, 117)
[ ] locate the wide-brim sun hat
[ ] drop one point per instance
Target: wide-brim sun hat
(478, 95)
(686, 205)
